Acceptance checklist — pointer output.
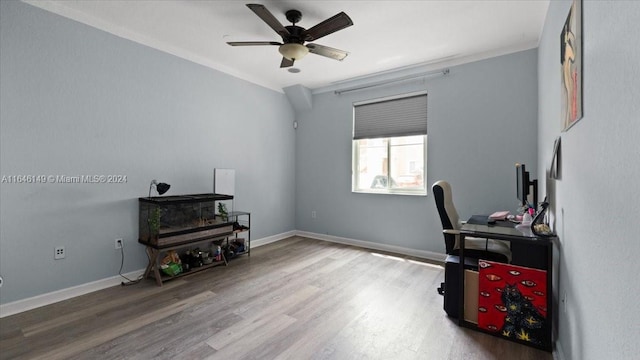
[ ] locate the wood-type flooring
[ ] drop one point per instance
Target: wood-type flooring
(297, 298)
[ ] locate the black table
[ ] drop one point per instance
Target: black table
(528, 250)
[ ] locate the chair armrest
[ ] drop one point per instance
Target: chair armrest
(451, 231)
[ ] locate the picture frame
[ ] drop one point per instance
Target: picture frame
(571, 67)
(554, 169)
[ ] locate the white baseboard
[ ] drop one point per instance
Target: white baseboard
(558, 354)
(63, 294)
(19, 306)
(37, 301)
(272, 239)
(375, 246)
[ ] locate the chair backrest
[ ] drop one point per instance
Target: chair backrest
(448, 214)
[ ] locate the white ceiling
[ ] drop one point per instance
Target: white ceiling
(386, 35)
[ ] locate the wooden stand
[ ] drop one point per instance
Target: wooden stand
(155, 255)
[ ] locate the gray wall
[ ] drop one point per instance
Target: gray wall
(597, 200)
(77, 101)
(482, 120)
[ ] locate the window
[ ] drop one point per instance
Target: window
(389, 145)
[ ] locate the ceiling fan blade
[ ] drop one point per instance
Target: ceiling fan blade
(252, 43)
(331, 25)
(268, 18)
(286, 63)
(329, 52)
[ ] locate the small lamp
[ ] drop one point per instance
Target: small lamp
(293, 51)
(161, 188)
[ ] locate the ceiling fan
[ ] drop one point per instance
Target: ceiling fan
(292, 47)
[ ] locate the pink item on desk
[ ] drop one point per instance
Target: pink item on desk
(499, 215)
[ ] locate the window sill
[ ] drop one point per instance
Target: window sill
(391, 192)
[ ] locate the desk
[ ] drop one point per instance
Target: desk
(526, 241)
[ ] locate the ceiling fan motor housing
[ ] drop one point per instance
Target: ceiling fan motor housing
(293, 47)
(293, 16)
(295, 35)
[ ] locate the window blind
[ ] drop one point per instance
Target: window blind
(390, 118)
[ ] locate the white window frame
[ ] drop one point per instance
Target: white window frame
(388, 190)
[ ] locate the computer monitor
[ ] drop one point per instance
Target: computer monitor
(525, 186)
(522, 183)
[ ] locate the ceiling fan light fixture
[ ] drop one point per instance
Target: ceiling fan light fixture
(292, 48)
(293, 51)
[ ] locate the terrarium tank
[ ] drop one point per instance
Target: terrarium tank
(170, 220)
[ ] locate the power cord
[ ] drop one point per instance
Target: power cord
(129, 281)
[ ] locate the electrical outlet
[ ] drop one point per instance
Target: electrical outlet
(313, 214)
(59, 253)
(118, 244)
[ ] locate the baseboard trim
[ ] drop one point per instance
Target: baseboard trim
(272, 239)
(428, 255)
(37, 301)
(558, 354)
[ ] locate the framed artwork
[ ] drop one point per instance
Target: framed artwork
(571, 61)
(554, 169)
(512, 302)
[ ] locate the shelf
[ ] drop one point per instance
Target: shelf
(217, 239)
(243, 220)
(172, 223)
(164, 277)
(236, 255)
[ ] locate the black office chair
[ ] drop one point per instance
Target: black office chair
(474, 248)
(494, 250)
